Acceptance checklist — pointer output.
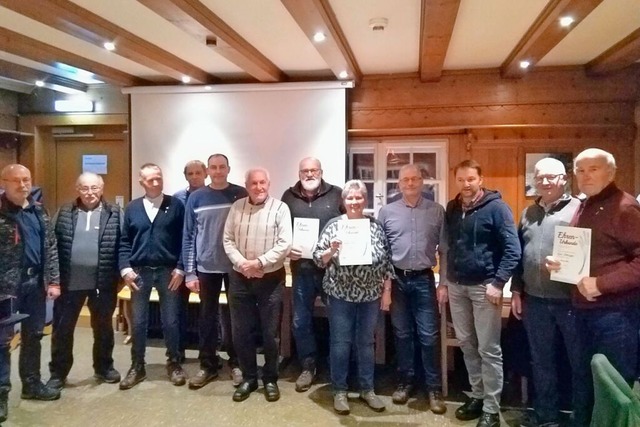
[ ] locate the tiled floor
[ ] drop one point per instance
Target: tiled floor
(155, 402)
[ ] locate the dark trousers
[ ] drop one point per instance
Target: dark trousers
(415, 309)
(30, 300)
(183, 318)
(544, 319)
(614, 333)
(66, 311)
(306, 287)
(253, 302)
(210, 286)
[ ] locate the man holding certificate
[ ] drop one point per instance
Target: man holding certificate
(483, 251)
(543, 304)
(312, 202)
(607, 299)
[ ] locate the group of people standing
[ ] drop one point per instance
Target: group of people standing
(223, 234)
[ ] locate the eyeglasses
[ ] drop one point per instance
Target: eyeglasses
(411, 179)
(313, 171)
(550, 178)
(92, 189)
(18, 180)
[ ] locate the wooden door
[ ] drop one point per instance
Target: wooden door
(69, 154)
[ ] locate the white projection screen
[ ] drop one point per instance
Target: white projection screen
(268, 125)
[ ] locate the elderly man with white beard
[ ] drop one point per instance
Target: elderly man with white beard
(310, 197)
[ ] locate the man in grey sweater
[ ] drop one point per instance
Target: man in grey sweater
(544, 305)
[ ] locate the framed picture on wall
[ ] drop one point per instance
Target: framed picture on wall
(530, 161)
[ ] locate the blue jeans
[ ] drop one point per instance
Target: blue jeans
(614, 333)
(159, 278)
(305, 289)
(30, 300)
(543, 319)
(250, 299)
(349, 322)
(415, 308)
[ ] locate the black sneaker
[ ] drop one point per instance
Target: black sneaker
(489, 420)
(135, 375)
(471, 410)
(4, 407)
(110, 376)
(39, 391)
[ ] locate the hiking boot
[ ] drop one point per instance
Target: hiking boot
(202, 378)
(176, 374)
(436, 402)
(304, 381)
(135, 375)
(402, 394)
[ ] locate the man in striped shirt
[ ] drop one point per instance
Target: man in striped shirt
(257, 238)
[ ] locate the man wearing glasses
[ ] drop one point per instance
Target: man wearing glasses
(28, 273)
(311, 197)
(544, 305)
(88, 235)
(415, 228)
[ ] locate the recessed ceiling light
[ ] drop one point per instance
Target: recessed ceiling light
(319, 37)
(186, 79)
(109, 46)
(39, 83)
(565, 21)
(524, 64)
(343, 74)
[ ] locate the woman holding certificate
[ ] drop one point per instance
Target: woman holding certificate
(355, 253)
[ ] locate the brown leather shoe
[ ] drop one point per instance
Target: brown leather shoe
(202, 378)
(135, 375)
(176, 374)
(436, 403)
(402, 394)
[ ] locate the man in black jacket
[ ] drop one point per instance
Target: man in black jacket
(310, 198)
(29, 274)
(88, 234)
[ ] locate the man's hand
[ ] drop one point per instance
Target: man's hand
(516, 305)
(494, 294)
(251, 268)
(53, 291)
(552, 264)
(588, 289)
(129, 280)
(442, 295)
(176, 280)
(295, 254)
(193, 285)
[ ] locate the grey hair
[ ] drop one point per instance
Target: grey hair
(89, 175)
(258, 169)
(596, 153)
(354, 184)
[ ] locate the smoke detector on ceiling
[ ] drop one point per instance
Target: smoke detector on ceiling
(378, 24)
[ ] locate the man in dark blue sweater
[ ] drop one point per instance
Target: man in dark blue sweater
(150, 257)
(483, 252)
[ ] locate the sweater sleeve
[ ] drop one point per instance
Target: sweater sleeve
(229, 236)
(627, 275)
(517, 283)
(124, 250)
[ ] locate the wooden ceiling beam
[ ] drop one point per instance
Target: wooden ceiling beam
(436, 26)
(317, 15)
(83, 24)
(617, 57)
(196, 19)
(35, 50)
(31, 75)
(545, 33)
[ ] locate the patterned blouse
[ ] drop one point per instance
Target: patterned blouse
(355, 283)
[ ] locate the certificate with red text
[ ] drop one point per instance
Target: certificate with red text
(572, 247)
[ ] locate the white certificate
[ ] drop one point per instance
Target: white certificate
(305, 235)
(355, 236)
(572, 247)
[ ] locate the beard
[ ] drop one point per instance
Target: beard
(310, 184)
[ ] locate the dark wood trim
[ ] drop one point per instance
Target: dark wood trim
(618, 56)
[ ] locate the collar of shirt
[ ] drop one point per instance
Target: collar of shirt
(152, 205)
(258, 204)
(473, 202)
(409, 205)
